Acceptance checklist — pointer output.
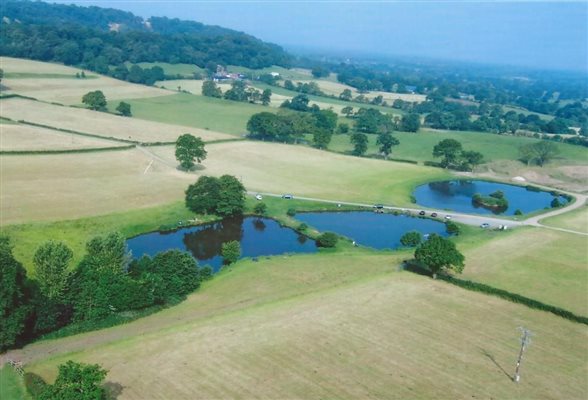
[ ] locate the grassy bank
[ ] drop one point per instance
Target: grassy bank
(344, 325)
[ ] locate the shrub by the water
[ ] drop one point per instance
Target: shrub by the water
(327, 239)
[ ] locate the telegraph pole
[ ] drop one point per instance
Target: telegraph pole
(525, 342)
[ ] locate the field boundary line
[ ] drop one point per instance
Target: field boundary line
(49, 152)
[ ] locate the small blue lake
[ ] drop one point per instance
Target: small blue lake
(457, 196)
(379, 231)
(258, 237)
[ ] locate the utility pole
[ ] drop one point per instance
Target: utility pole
(525, 342)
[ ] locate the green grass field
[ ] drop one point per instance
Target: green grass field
(419, 146)
(12, 385)
(197, 111)
(542, 264)
(332, 325)
(576, 220)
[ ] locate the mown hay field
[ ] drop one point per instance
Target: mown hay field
(336, 88)
(17, 137)
(342, 325)
(39, 84)
(99, 123)
(68, 186)
(53, 187)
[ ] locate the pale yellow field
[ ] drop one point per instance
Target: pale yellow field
(66, 186)
(75, 185)
(99, 123)
(335, 88)
(64, 90)
(25, 137)
(320, 327)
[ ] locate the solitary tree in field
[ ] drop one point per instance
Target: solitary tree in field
(386, 141)
(449, 149)
(188, 149)
(411, 122)
(51, 268)
(124, 109)
(231, 251)
(439, 253)
(210, 89)
(360, 143)
(95, 100)
(544, 152)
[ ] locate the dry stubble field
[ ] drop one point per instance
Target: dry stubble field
(66, 90)
(319, 327)
(16, 137)
(53, 187)
(99, 123)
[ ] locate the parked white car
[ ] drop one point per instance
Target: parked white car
(258, 197)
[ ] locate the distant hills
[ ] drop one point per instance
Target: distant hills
(95, 38)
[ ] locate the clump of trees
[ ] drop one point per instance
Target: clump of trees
(189, 149)
(222, 196)
(438, 253)
(455, 157)
(76, 381)
(291, 127)
(104, 283)
(327, 239)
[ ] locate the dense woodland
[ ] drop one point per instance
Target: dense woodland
(97, 38)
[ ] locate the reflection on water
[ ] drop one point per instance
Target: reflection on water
(258, 237)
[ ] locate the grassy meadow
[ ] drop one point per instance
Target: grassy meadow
(41, 80)
(12, 385)
(19, 137)
(99, 123)
(542, 264)
(197, 112)
(319, 326)
(35, 188)
(576, 220)
(419, 146)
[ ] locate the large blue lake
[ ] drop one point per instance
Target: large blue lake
(457, 196)
(258, 237)
(379, 231)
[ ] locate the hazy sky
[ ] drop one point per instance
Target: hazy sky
(551, 35)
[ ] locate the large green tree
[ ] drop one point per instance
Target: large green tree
(124, 109)
(450, 150)
(95, 100)
(188, 149)
(438, 253)
(210, 89)
(231, 251)
(266, 97)
(386, 141)
(77, 381)
(360, 143)
(231, 199)
(410, 122)
(52, 268)
(223, 196)
(14, 296)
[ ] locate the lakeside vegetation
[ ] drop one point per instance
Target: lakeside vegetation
(347, 321)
